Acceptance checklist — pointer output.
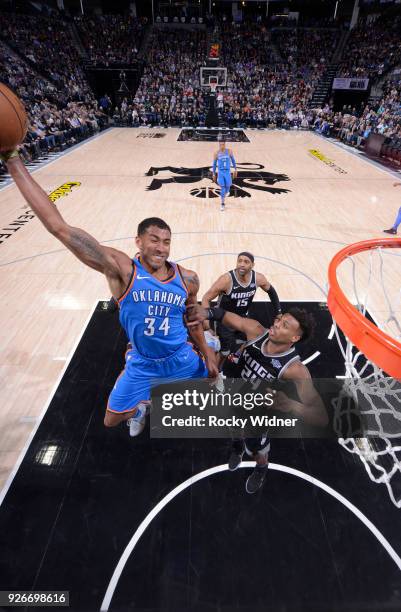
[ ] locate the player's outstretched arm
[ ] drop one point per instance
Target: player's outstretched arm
(196, 331)
(33, 193)
(110, 262)
(263, 283)
(222, 285)
(214, 171)
(233, 162)
(250, 327)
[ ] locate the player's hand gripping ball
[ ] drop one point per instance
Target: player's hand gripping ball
(14, 122)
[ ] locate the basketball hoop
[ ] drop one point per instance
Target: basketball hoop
(372, 356)
(378, 346)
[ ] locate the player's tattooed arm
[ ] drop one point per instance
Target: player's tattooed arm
(91, 252)
(191, 280)
(114, 264)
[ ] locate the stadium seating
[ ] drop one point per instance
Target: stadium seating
(272, 74)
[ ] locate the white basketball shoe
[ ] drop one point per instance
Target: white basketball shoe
(137, 423)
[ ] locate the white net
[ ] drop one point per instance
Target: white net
(368, 392)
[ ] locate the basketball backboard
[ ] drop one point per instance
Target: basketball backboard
(209, 76)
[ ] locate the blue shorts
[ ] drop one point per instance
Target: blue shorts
(140, 374)
(224, 180)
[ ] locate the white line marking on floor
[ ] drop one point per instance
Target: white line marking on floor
(222, 468)
(39, 418)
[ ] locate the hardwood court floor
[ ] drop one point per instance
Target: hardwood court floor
(47, 295)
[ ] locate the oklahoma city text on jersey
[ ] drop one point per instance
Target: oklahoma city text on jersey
(151, 295)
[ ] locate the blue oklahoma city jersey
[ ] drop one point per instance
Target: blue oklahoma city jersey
(151, 313)
(223, 161)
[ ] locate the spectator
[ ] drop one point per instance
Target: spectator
(110, 39)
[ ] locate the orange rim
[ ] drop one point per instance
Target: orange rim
(379, 347)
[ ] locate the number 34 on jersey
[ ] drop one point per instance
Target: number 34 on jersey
(153, 325)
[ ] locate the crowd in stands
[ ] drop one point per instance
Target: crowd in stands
(353, 126)
(271, 81)
(271, 77)
(19, 76)
(373, 48)
(61, 110)
(110, 39)
(169, 91)
(307, 52)
(268, 84)
(53, 129)
(46, 44)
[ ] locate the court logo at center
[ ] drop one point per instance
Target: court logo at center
(249, 177)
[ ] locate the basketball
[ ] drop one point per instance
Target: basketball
(14, 122)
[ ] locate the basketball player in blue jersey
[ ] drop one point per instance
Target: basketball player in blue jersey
(222, 162)
(269, 354)
(397, 222)
(152, 293)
